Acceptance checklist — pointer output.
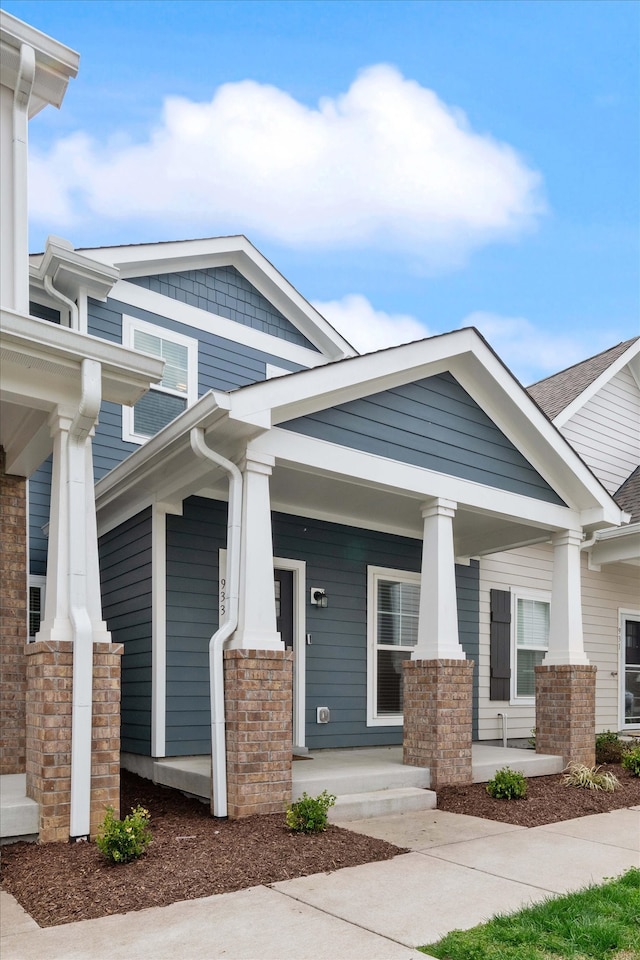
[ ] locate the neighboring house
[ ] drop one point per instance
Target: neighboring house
(596, 406)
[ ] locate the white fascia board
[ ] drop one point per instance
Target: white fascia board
(238, 251)
(616, 546)
(384, 474)
(625, 358)
(69, 271)
(126, 374)
(129, 294)
(56, 63)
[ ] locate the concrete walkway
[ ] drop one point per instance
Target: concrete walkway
(460, 871)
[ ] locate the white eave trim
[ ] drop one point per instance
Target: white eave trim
(56, 64)
(616, 366)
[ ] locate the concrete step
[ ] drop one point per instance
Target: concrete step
(20, 815)
(380, 803)
(344, 772)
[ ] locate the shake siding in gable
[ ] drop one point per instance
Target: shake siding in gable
(125, 576)
(432, 423)
(336, 558)
(605, 431)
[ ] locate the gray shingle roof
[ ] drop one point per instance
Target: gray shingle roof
(556, 392)
(628, 495)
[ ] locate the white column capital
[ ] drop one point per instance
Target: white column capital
(568, 538)
(257, 463)
(438, 507)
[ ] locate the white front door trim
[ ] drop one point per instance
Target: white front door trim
(623, 616)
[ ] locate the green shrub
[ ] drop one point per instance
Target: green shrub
(609, 747)
(507, 785)
(123, 840)
(631, 761)
(309, 814)
(579, 775)
(532, 739)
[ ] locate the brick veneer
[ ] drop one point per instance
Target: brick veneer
(49, 689)
(259, 702)
(13, 619)
(437, 718)
(566, 712)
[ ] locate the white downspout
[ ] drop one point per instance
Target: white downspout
(216, 643)
(74, 320)
(82, 633)
(21, 99)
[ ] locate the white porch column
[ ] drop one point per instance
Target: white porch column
(438, 618)
(256, 607)
(72, 510)
(566, 644)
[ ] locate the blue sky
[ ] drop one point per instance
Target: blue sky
(409, 167)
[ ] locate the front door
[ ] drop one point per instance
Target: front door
(631, 670)
(283, 586)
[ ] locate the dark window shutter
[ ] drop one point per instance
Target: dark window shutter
(500, 656)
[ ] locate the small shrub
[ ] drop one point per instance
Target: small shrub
(609, 747)
(309, 814)
(579, 775)
(631, 761)
(507, 785)
(124, 840)
(532, 739)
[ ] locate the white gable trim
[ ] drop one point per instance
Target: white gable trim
(628, 357)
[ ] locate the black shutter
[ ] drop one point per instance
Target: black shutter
(500, 656)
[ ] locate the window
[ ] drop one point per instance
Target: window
(36, 605)
(178, 387)
(531, 643)
(393, 603)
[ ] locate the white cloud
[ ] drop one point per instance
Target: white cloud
(386, 164)
(369, 329)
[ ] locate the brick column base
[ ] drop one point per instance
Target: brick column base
(259, 721)
(13, 619)
(566, 712)
(437, 718)
(49, 703)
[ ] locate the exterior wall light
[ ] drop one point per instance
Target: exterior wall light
(319, 597)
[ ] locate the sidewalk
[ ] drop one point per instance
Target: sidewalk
(460, 871)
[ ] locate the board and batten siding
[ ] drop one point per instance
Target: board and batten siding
(336, 558)
(432, 423)
(125, 578)
(604, 593)
(606, 431)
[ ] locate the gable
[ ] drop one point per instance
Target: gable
(432, 423)
(225, 292)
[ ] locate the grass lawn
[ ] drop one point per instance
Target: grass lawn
(598, 923)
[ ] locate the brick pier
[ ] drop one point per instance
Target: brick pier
(566, 712)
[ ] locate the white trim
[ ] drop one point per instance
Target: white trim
(373, 575)
(625, 358)
(542, 596)
(624, 615)
(299, 570)
(158, 630)
(130, 294)
(272, 370)
(129, 327)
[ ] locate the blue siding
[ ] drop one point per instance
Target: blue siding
(125, 575)
(225, 292)
(432, 423)
(337, 558)
(39, 507)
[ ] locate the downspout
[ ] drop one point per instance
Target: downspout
(21, 98)
(81, 628)
(216, 643)
(74, 321)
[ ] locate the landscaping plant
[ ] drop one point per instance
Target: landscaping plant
(579, 775)
(631, 761)
(609, 747)
(124, 840)
(507, 785)
(309, 814)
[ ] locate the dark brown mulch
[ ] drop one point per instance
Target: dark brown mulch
(192, 855)
(548, 800)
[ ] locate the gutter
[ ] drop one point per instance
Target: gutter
(81, 627)
(216, 643)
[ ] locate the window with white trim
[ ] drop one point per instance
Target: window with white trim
(531, 642)
(393, 602)
(36, 605)
(178, 388)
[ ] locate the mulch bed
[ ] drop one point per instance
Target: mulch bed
(193, 855)
(548, 800)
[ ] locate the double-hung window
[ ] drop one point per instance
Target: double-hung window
(531, 642)
(178, 387)
(392, 603)
(36, 604)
